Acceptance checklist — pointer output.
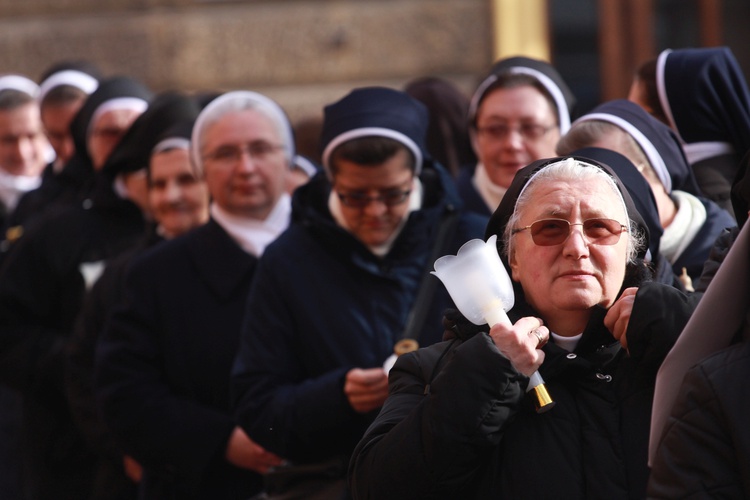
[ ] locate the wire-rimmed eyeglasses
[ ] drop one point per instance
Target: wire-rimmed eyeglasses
(597, 231)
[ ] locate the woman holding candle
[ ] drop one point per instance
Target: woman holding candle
(457, 422)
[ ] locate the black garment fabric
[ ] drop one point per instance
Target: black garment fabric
(322, 304)
(163, 365)
(110, 481)
(43, 280)
(458, 423)
(705, 451)
(704, 93)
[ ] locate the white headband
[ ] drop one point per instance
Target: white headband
(657, 162)
(19, 83)
(78, 79)
(563, 115)
(130, 103)
(171, 143)
(378, 132)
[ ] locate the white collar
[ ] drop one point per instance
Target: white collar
(491, 193)
(254, 235)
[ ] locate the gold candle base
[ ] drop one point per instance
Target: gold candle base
(542, 399)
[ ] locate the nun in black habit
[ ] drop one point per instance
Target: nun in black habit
(690, 222)
(503, 138)
(43, 280)
(73, 184)
(168, 122)
(457, 423)
(703, 95)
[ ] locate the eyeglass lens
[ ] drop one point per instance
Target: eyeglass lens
(548, 232)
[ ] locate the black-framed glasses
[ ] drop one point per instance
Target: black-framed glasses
(550, 232)
(257, 150)
(529, 131)
(389, 198)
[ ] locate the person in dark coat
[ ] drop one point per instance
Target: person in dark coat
(702, 94)
(457, 422)
(333, 294)
(43, 280)
(516, 115)
(178, 202)
(448, 139)
(691, 223)
(96, 129)
(700, 440)
(163, 362)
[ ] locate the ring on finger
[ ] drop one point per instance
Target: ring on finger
(541, 341)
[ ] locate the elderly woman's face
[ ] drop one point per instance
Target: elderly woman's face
(244, 163)
(565, 280)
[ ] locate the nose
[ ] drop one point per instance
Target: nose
(576, 245)
(172, 192)
(247, 162)
(375, 207)
(513, 138)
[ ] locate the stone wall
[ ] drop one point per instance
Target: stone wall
(304, 53)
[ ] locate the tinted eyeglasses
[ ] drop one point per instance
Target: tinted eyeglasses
(389, 198)
(549, 232)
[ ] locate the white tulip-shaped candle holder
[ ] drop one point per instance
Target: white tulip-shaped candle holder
(482, 290)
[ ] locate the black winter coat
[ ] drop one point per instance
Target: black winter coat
(42, 285)
(163, 365)
(457, 423)
(705, 451)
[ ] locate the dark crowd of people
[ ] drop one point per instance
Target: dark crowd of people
(200, 299)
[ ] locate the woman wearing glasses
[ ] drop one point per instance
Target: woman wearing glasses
(333, 295)
(516, 116)
(457, 423)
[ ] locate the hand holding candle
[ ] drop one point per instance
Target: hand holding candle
(482, 290)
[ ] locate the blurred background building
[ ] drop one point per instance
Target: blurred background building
(306, 53)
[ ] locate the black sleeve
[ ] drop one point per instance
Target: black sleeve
(434, 434)
(659, 314)
(696, 458)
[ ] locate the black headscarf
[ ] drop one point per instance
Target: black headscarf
(111, 88)
(659, 142)
(541, 71)
(133, 152)
(704, 94)
(504, 211)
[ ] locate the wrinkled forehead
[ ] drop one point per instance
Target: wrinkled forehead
(593, 196)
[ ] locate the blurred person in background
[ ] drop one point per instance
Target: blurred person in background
(63, 90)
(702, 94)
(691, 223)
(164, 360)
(43, 280)
(448, 131)
(516, 116)
(24, 150)
(159, 139)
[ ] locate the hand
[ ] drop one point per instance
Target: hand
(366, 389)
(132, 469)
(245, 453)
(618, 316)
(520, 343)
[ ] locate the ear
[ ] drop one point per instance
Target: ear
(513, 266)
